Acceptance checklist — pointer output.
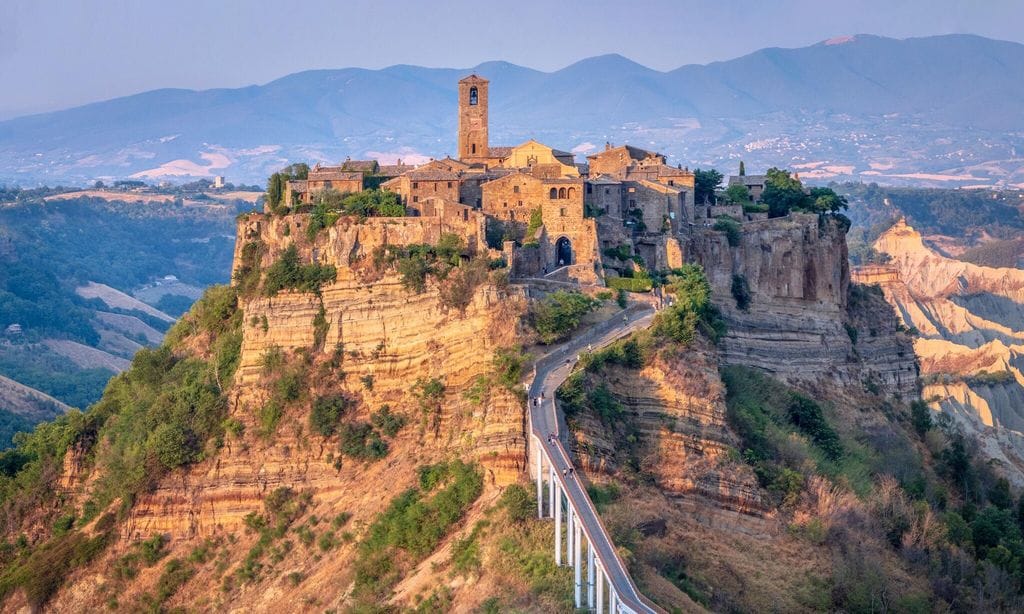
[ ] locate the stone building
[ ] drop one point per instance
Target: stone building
(615, 160)
(417, 185)
(474, 146)
(541, 160)
(322, 178)
(753, 183)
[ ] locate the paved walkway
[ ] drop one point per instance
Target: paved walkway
(547, 420)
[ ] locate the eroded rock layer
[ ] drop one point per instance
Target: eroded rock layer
(970, 325)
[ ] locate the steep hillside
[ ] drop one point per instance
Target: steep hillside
(969, 321)
(861, 107)
(802, 476)
(321, 434)
(68, 268)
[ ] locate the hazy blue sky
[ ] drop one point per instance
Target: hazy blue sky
(60, 53)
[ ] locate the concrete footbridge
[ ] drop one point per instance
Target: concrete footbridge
(560, 493)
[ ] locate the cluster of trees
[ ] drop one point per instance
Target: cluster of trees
(560, 313)
(278, 182)
(691, 307)
(784, 193)
(935, 504)
(166, 411)
(288, 273)
(412, 526)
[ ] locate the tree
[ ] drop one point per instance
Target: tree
(825, 200)
(920, 417)
(783, 193)
(738, 194)
(705, 184)
(743, 169)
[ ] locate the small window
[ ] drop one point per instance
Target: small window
(631, 190)
(415, 199)
(435, 186)
(590, 189)
(562, 211)
(473, 100)
(449, 184)
(607, 191)
(671, 182)
(515, 189)
(553, 194)
(472, 148)
(561, 192)
(415, 185)
(632, 203)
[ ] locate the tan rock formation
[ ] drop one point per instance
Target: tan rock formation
(796, 326)
(970, 320)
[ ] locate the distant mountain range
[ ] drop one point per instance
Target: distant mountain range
(945, 110)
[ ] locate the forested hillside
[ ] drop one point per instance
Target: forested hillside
(68, 272)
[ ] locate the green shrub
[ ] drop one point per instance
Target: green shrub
(289, 274)
(360, 441)
(414, 524)
(519, 503)
(741, 292)
(691, 307)
(386, 422)
(555, 317)
(327, 412)
(153, 549)
(508, 366)
(731, 228)
(630, 284)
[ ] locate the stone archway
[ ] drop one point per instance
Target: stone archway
(563, 251)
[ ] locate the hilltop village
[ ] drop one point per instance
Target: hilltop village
(549, 216)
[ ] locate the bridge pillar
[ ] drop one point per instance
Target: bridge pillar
(569, 522)
(578, 576)
(590, 574)
(600, 589)
(551, 488)
(613, 599)
(558, 525)
(540, 479)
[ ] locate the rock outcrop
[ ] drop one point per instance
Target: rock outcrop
(970, 343)
(382, 339)
(799, 321)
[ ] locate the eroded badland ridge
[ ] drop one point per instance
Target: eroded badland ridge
(344, 427)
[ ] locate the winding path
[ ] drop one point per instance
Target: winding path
(547, 425)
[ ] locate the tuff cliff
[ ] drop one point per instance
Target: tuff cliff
(365, 338)
(969, 324)
(802, 321)
(673, 464)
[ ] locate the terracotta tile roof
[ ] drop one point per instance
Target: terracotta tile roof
(298, 185)
(394, 170)
(474, 78)
(499, 151)
(432, 175)
(361, 166)
(332, 173)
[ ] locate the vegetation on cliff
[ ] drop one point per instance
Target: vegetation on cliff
(924, 499)
(166, 411)
(558, 314)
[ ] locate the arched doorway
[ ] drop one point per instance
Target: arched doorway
(563, 252)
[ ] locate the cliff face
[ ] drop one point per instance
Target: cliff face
(376, 331)
(798, 323)
(674, 429)
(970, 321)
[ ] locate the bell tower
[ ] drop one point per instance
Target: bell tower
(473, 118)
